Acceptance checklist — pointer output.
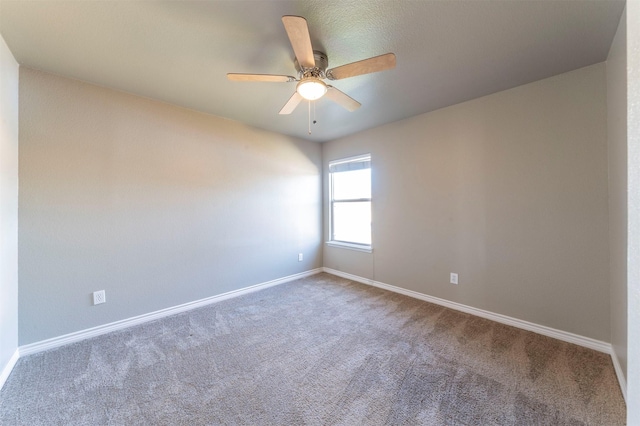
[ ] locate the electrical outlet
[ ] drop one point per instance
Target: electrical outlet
(299, 257)
(99, 297)
(453, 278)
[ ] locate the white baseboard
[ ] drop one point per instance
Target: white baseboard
(130, 322)
(587, 342)
(9, 367)
(619, 374)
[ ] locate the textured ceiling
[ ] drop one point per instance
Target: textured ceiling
(180, 51)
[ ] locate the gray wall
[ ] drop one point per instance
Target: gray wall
(633, 243)
(156, 204)
(508, 190)
(617, 150)
(8, 205)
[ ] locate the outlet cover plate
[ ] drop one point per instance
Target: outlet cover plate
(99, 297)
(453, 278)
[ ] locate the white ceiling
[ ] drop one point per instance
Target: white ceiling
(180, 51)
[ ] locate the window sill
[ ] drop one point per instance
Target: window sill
(348, 246)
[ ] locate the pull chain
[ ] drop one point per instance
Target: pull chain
(314, 115)
(309, 117)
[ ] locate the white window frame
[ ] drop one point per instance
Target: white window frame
(338, 243)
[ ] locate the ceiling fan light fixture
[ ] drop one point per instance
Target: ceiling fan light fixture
(311, 88)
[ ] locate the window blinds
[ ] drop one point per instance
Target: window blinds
(350, 164)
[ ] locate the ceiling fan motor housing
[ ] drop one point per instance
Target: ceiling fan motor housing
(319, 70)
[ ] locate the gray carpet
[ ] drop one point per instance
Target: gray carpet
(317, 351)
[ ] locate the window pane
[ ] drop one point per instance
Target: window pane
(352, 222)
(352, 184)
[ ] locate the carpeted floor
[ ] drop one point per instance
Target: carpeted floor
(317, 351)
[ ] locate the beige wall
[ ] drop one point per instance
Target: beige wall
(617, 154)
(508, 190)
(8, 205)
(155, 204)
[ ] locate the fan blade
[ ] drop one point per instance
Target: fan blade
(366, 66)
(291, 104)
(298, 32)
(260, 77)
(342, 99)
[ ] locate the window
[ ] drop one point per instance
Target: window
(350, 196)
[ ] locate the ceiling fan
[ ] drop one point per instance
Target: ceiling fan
(312, 69)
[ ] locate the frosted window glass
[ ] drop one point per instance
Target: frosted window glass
(352, 185)
(352, 222)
